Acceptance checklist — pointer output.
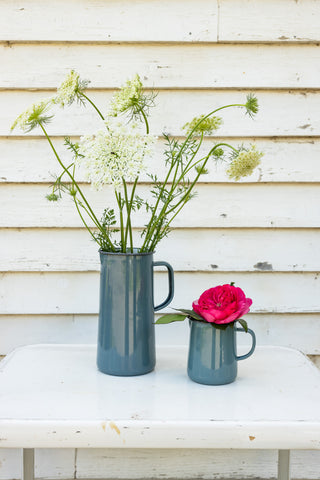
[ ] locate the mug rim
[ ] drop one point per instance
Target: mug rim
(212, 324)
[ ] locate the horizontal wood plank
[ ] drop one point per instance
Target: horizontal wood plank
(99, 463)
(78, 293)
(289, 114)
(212, 250)
(191, 464)
(271, 329)
(32, 329)
(114, 20)
(31, 160)
(132, 21)
(274, 20)
(160, 66)
(239, 205)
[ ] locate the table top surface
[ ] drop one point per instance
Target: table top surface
(54, 396)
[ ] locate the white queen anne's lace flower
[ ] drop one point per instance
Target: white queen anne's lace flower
(114, 153)
(129, 96)
(70, 89)
(207, 126)
(34, 116)
(133, 100)
(244, 163)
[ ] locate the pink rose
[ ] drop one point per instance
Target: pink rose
(222, 304)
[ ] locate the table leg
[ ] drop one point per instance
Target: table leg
(28, 464)
(284, 465)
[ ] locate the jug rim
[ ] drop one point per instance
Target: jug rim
(126, 254)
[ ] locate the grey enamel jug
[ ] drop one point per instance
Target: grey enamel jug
(126, 336)
(213, 358)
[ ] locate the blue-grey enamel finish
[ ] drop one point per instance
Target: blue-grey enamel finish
(212, 358)
(126, 334)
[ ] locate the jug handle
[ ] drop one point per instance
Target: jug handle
(242, 357)
(171, 284)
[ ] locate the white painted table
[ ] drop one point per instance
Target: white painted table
(53, 396)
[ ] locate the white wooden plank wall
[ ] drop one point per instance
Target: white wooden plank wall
(262, 233)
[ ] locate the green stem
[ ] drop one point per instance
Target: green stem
(129, 209)
(184, 171)
(186, 195)
(70, 176)
(154, 210)
(83, 220)
(163, 212)
(175, 214)
(149, 232)
(204, 118)
(129, 206)
(164, 207)
(146, 120)
(94, 106)
(92, 215)
(128, 223)
(184, 199)
(206, 158)
(123, 244)
(78, 209)
(60, 176)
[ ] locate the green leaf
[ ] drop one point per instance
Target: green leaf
(244, 324)
(191, 313)
(232, 284)
(169, 318)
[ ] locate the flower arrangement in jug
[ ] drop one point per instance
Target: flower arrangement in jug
(219, 306)
(117, 155)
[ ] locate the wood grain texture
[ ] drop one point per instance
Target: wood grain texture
(191, 464)
(233, 250)
(78, 292)
(180, 66)
(93, 463)
(29, 160)
(282, 329)
(274, 20)
(242, 205)
(187, 21)
(109, 21)
(282, 113)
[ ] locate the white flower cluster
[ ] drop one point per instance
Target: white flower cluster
(244, 164)
(114, 154)
(129, 96)
(33, 116)
(70, 89)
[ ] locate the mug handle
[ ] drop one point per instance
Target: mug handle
(171, 284)
(242, 357)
